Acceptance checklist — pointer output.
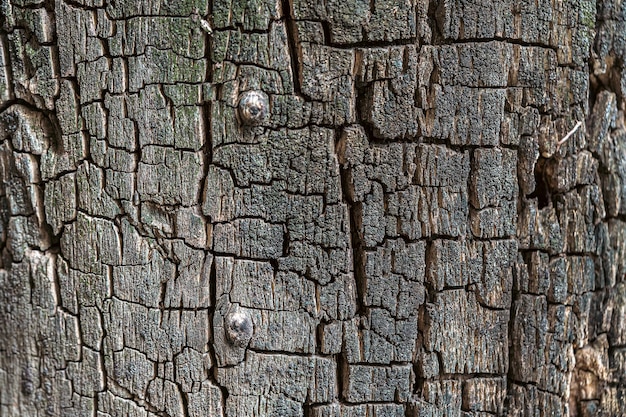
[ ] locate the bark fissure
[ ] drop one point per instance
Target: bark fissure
(394, 228)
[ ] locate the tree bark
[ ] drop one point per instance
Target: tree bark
(296, 208)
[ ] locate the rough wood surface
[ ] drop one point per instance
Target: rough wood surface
(394, 230)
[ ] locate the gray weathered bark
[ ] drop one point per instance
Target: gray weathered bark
(400, 235)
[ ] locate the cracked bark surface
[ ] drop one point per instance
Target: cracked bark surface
(400, 235)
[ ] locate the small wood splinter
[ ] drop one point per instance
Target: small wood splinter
(204, 24)
(569, 135)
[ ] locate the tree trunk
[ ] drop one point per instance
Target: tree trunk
(341, 208)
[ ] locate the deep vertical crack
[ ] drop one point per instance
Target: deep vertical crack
(292, 38)
(355, 212)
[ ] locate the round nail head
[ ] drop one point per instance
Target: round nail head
(253, 107)
(239, 328)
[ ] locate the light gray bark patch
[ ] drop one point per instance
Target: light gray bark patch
(481, 343)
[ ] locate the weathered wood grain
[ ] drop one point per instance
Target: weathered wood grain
(404, 232)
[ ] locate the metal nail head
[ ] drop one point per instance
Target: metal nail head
(239, 328)
(253, 107)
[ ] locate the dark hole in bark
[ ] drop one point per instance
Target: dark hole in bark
(542, 191)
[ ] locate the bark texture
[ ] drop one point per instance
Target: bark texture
(401, 235)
